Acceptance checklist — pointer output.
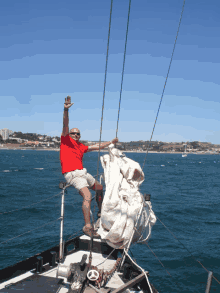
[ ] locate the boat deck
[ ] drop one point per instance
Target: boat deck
(29, 280)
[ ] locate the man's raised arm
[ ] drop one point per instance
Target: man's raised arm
(67, 105)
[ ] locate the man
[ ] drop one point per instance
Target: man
(71, 155)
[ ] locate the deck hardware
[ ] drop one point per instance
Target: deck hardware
(39, 264)
(63, 271)
(62, 184)
(147, 197)
(53, 258)
(93, 275)
(209, 282)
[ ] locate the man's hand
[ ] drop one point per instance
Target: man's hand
(114, 140)
(68, 103)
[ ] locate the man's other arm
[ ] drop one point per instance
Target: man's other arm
(95, 147)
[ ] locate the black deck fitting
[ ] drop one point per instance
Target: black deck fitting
(52, 261)
(62, 184)
(147, 197)
(39, 264)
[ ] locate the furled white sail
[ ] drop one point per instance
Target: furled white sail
(123, 201)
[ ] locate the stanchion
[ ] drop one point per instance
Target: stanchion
(209, 282)
(63, 186)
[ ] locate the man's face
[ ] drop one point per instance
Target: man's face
(75, 133)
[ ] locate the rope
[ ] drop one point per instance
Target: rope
(122, 78)
(29, 231)
(165, 83)
(30, 205)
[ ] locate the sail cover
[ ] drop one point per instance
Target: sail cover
(123, 205)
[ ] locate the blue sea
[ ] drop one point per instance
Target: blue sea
(185, 196)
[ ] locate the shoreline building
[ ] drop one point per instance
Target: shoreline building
(5, 132)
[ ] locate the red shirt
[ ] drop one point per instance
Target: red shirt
(71, 154)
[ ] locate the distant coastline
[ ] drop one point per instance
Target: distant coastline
(19, 140)
(124, 151)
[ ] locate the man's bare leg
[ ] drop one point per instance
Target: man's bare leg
(86, 205)
(99, 194)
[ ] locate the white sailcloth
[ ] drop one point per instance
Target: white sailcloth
(123, 201)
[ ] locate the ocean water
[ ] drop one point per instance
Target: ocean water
(185, 195)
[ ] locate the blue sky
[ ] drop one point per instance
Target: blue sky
(51, 49)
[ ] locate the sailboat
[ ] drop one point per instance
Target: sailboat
(184, 154)
(84, 264)
(89, 265)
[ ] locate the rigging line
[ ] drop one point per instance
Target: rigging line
(30, 204)
(132, 255)
(103, 101)
(154, 254)
(76, 202)
(187, 250)
(140, 268)
(165, 82)
(30, 231)
(71, 236)
(184, 262)
(122, 78)
(158, 258)
(106, 257)
(74, 234)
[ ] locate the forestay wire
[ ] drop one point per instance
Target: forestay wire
(103, 100)
(123, 69)
(164, 83)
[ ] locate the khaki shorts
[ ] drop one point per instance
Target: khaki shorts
(79, 179)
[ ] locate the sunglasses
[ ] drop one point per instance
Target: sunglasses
(78, 133)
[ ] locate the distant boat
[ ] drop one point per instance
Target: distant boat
(184, 154)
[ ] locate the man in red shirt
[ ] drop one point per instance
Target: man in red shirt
(71, 155)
